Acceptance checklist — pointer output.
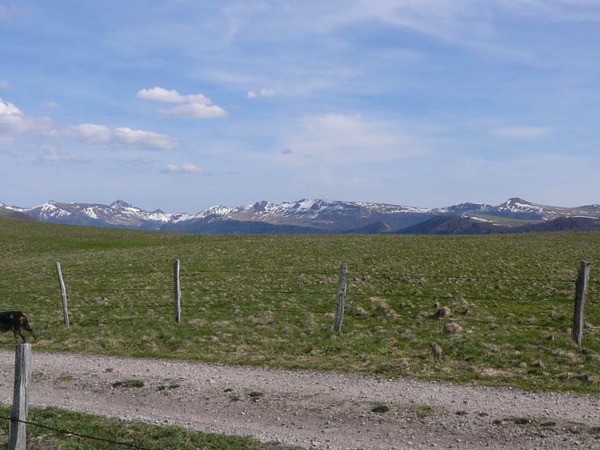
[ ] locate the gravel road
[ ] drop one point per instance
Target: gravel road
(310, 409)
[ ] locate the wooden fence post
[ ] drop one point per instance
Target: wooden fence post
(177, 288)
(581, 287)
(63, 293)
(341, 297)
(17, 438)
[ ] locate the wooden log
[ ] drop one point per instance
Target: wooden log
(17, 439)
(581, 288)
(63, 293)
(177, 289)
(341, 297)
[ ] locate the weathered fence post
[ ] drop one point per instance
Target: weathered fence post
(341, 297)
(17, 438)
(63, 293)
(177, 288)
(581, 287)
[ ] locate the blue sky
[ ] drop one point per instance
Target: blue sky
(182, 104)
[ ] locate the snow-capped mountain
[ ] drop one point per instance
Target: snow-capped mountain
(118, 214)
(302, 216)
(313, 215)
(519, 209)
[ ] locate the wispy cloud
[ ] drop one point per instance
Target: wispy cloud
(261, 93)
(522, 132)
(51, 154)
(7, 12)
(349, 138)
(137, 161)
(557, 10)
(182, 169)
(194, 105)
(102, 135)
(444, 20)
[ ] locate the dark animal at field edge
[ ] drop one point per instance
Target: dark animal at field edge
(17, 322)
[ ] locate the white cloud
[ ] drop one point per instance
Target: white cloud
(102, 135)
(195, 110)
(195, 105)
(262, 93)
(10, 115)
(349, 138)
(183, 169)
(92, 133)
(171, 96)
(13, 120)
(147, 139)
(522, 132)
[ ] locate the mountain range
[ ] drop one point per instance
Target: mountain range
(322, 216)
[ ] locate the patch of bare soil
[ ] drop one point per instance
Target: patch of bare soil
(309, 409)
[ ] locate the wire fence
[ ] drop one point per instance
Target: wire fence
(79, 287)
(145, 294)
(137, 291)
(295, 293)
(75, 433)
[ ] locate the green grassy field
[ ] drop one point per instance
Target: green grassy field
(269, 300)
(82, 428)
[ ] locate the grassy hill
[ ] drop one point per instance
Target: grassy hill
(8, 213)
(269, 300)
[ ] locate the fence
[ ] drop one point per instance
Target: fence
(198, 292)
(351, 289)
(339, 312)
(17, 438)
(581, 290)
(93, 290)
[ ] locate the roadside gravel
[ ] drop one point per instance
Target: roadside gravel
(310, 409)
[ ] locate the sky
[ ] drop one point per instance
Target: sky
(186, 104)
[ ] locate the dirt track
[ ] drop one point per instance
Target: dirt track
(310, 409)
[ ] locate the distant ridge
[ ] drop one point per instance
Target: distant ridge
(12, 214)
(453, 225)
(310, 216)
(467, 225)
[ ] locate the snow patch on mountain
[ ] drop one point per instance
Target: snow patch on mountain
(519, 205)
(314, 214)
(50, 210)
(90, 213)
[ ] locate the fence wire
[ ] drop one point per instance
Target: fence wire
(363, 286)
(360, 295)
(75, 433)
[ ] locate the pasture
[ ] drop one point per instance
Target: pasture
(133, 434)
(269, 300)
